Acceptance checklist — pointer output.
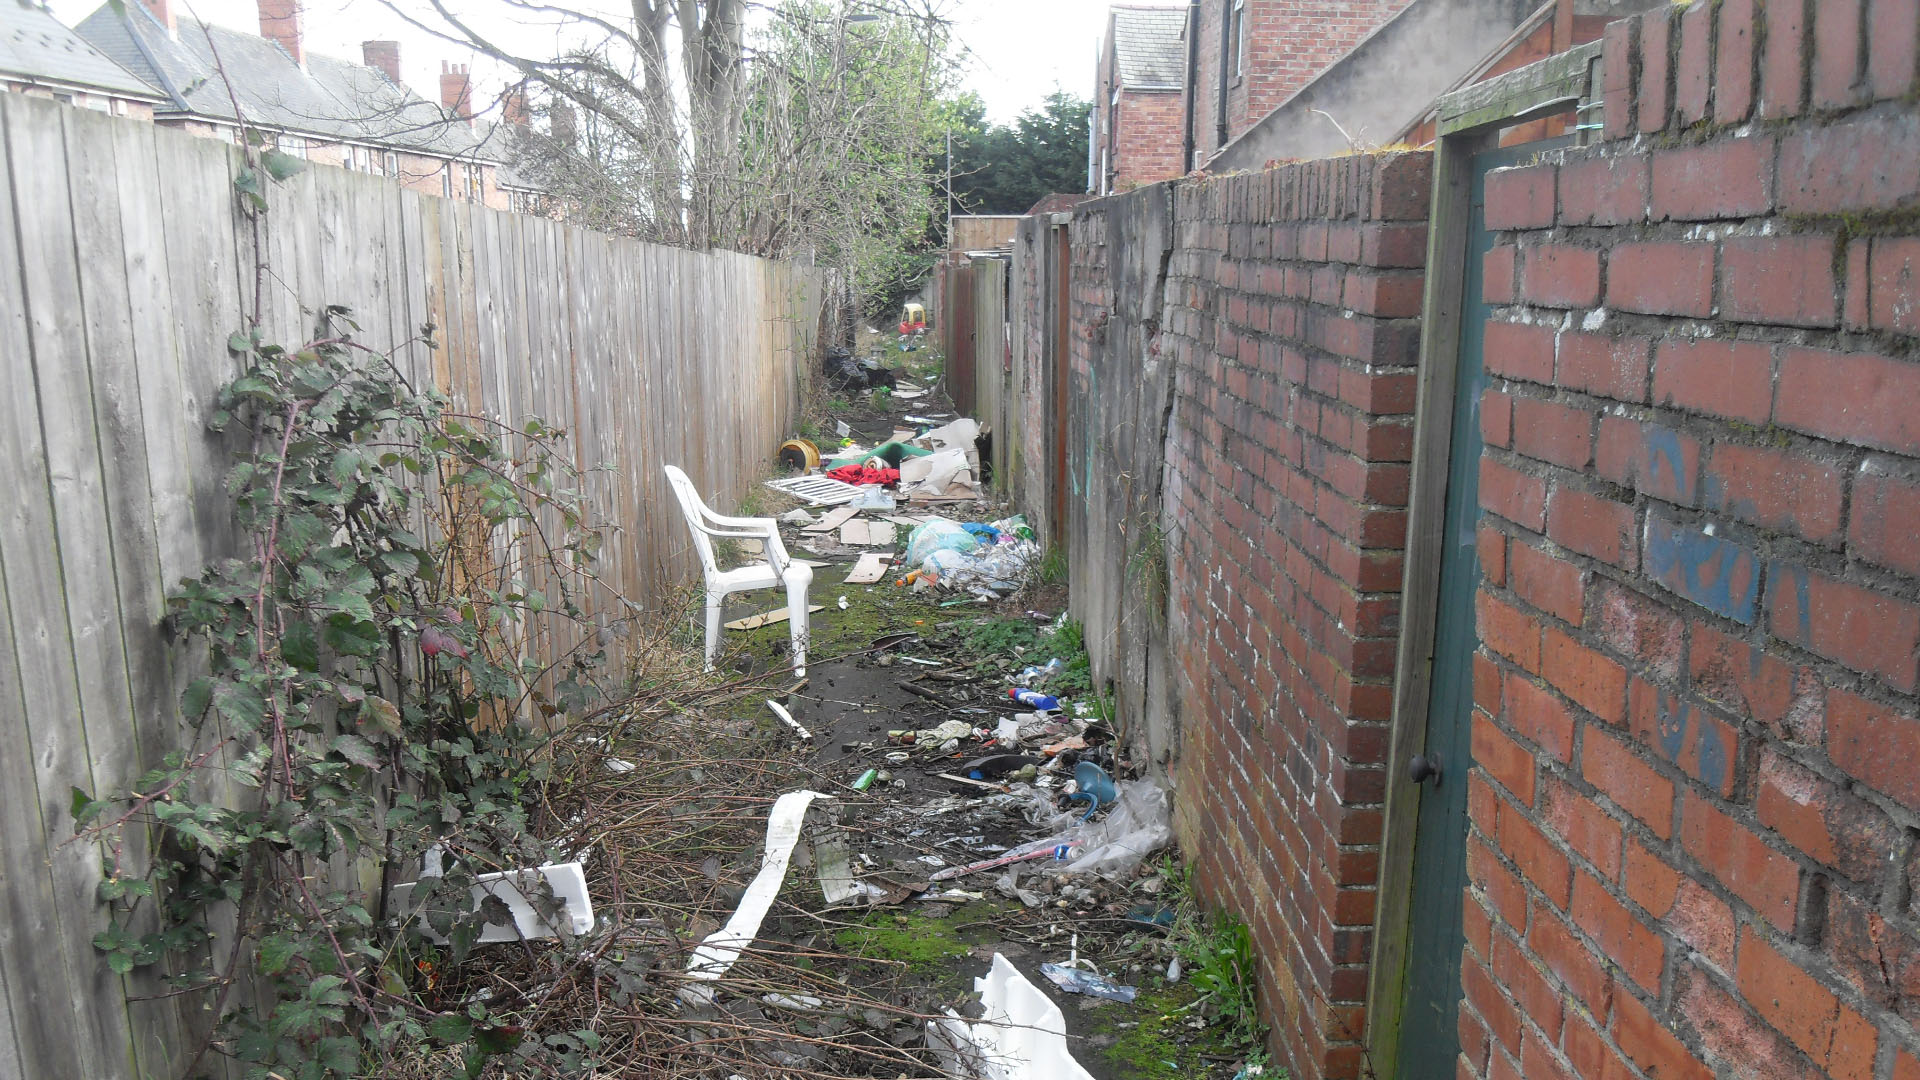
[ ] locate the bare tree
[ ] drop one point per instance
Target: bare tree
(781, 130)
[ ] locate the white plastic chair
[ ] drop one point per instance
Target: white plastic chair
(778, 569)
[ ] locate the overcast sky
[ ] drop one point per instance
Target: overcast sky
(1019, 50)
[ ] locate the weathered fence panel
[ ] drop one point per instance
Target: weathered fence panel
(125, 263)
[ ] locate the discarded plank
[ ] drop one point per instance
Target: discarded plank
(831, 520)
(871, 568)
(767, 618)
(903, 519)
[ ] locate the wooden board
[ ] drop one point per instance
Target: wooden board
(768, 618)
(871, 568)
(831, 520)
(861, 531)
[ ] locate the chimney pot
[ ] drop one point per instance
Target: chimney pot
(280, 21)
(456, 90)
(513, 108)
(382, 56)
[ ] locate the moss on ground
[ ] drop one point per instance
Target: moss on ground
(922, 943)
(1151, 1039)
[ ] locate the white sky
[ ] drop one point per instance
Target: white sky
(1019, 50)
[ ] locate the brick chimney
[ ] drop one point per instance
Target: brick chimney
(456, 90)
(163, 11)
(565, 124)
(513, 108)
(280, 21)
(382, 56)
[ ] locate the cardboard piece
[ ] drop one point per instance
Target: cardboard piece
(831, 520)
(871, 568)
(765, 618)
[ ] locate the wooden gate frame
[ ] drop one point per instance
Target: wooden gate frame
(1469, 120)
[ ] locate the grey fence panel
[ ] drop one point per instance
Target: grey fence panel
(125, 263)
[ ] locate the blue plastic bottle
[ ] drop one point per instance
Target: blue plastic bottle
(1034, 699)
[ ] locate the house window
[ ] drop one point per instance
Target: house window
(475, 186)
(1237, 38)
(446, 181)
(392, 164)
(290, 144)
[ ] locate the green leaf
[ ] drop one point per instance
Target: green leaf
(240, 703)
(81, 803)
(196, 698)
(248, 184)
(282, 166)
(120, 962)
(239, 342)
(352, 637)
(276, 952)
(378, 715)
(357, 750)
(450, 1028)
(300, 647)
(404, 563)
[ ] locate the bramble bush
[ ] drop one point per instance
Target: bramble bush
(366, 695)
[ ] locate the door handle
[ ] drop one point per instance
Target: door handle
(1421, 768)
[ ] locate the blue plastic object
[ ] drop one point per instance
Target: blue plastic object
(1034, 699)
(1092, 783)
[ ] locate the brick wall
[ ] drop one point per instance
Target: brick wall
(1696, 794)
(1147, 137)
(1292, 297)
(1288, 43)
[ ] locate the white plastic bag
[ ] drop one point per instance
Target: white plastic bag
(937, 534)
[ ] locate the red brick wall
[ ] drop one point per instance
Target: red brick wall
(1697, 782)
(1147, 137)
(1292, 297)
(1288, 43)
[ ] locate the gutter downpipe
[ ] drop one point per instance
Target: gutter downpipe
(1193, 72)
(1220, 115)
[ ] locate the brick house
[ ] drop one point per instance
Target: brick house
(1251, 55)
(359, 116)
(1139, 97)
(42, 57)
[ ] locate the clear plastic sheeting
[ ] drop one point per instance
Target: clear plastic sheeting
(1140, 823)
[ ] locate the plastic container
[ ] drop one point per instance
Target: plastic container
(1038, 673)
(1034, 699)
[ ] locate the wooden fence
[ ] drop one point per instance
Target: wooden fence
(125, 263)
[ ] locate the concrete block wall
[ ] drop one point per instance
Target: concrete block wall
(1291, 319)
(1695, 799)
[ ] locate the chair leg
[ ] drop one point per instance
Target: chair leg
(714, 602)
(798, 578)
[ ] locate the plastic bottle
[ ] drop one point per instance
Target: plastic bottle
(1034, 699)
(1036, 673)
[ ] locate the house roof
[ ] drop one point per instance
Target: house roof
(331, 98)
(1149, 47)
(35, 47)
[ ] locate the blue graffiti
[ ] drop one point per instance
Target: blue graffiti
(1719, 576)
(1663, 447)
(1713, 754)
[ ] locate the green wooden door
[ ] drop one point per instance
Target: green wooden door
(1429, 1039)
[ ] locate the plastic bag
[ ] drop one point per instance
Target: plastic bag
(937, 534)
(1113, 847)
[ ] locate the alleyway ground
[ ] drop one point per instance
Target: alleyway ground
(670, 793)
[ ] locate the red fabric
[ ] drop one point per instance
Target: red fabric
(865, 474)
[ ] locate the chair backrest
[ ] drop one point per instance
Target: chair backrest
(692, 506)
